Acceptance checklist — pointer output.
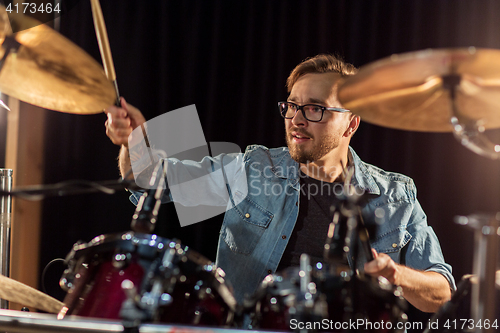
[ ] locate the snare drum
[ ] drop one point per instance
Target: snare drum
(148, 278)
(330, 303)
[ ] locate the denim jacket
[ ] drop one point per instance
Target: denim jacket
(258, 225)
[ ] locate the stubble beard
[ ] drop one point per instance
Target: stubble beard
(301, 155)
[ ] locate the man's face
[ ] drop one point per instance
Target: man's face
(311, 141)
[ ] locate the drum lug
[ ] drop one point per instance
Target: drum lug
(120, 260)
(165, 299)
(130, 309)
(69, 275)
(150, 301)
(145, 307)
(64, 282)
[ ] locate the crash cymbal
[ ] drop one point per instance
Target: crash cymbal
(50, 71)
(17, 292)
(411, 91)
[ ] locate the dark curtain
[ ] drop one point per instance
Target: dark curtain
(231, 59)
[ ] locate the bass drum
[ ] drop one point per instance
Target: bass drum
(146, 278)
(329, 303)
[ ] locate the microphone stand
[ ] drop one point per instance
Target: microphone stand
(347, 225)
(146, 212)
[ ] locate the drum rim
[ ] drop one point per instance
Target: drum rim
(216, 274)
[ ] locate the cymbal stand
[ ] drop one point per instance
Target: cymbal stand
(486, 231)
(469, 132)
(5, 226)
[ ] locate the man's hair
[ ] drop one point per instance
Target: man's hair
(322, 63)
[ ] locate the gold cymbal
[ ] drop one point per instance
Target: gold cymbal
(17, 292)
(411, 91)
(50, 71)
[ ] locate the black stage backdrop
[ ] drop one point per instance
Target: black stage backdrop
(231, 59)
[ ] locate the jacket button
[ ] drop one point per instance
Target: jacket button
(296, 203)
(394, 245)
(269, 271)
(283, 237)
(247, 215)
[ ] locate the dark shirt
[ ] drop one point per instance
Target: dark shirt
(317, 206)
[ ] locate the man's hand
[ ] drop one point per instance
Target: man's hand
(383, 265)
(122, 121)
(426, 290)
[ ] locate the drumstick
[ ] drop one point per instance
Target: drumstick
(107, 59)
(17, 292)
(102, 39)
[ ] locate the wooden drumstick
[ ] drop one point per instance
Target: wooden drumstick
(107, 59)
(102, 39)
(17, 292)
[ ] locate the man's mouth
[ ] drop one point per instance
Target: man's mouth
(299, 137)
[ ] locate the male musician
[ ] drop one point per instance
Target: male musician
(267, 231)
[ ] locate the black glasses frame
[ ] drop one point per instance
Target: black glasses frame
(301, 108)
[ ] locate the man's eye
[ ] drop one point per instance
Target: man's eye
(314, 109)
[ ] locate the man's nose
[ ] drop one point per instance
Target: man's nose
(299, 119)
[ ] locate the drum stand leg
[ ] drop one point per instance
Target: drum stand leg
(486, 233)
(5, 226)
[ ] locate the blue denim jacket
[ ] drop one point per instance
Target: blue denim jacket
(255, 232)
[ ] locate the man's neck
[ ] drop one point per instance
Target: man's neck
(327, 169)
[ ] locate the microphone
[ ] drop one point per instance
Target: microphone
(146, 212)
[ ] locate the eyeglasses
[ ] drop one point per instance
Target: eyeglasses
(311, 112)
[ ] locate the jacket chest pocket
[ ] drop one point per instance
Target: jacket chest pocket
(244, 225)
(392, 243)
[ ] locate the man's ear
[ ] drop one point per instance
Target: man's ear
(353, 125)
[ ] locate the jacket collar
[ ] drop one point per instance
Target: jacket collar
(286, 167)
(362, 176)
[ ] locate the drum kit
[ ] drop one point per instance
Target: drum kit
(135, 281)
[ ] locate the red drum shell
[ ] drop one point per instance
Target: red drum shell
(195, 288)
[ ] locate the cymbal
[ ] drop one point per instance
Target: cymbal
(50, 71)
(14, 291)
(411, 91)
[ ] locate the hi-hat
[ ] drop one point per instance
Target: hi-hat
(50, 71)
(413, 91)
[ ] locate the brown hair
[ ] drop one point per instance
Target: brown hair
(322, 63)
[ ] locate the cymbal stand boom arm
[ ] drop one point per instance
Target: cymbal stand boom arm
(468, 132)
(10, 44)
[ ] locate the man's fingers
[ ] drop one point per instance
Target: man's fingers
(122, 121)
(118, 129)
(118, 137)
(378, 264)
(382, 265)
(133, 112)
(117, 122)
(116, 111)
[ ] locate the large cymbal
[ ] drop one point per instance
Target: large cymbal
(14, 291)
(49, 71)
(411, 91)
